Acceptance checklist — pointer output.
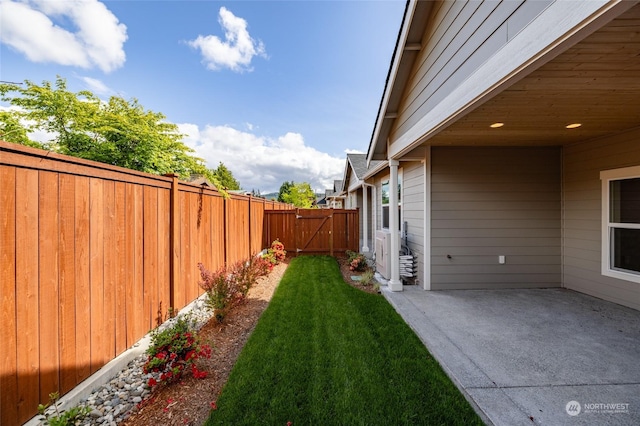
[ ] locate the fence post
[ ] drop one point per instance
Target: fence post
(174, 226)
(250, 236)
(225, 226)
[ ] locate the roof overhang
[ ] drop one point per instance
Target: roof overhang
(406, 50)
(585, 75)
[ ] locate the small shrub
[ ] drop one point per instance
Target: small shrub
(357, 261)
(275, 254)
(220, 290)
(173, 351)
(367, 277)
(243, 277)
(260, 266)
(278, 250)
(68, 417)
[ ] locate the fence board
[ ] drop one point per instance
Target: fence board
(138, 291)
(96, 268)
(83, 278)
(110, 265)
(27, 285)
(164, 262)
(150, 251)
(8, 366)
(120, 274)
(67, 327)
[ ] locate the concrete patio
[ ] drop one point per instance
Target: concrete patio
(539, 356)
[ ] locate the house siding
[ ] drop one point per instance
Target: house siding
(582, 216)
(467, 34)
(413, 211)
(488, 202)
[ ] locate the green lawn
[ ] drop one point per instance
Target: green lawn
(325, 353)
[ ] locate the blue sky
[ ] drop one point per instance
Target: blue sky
(276, 90)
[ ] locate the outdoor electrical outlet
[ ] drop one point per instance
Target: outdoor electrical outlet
(501, 260)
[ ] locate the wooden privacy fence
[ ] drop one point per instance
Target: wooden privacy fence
(92, 257)
(313, 231)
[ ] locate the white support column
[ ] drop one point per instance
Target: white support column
(394, 283)
(365, 219)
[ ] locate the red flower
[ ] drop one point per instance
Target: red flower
(152, 382)
(213, 405)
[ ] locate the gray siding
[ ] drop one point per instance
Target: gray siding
(467, 34)
(582, 164)
(413, 210)
(488, 202)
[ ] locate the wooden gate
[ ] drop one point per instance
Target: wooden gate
(313, 231)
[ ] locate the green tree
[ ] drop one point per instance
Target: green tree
(117, 132)
(11, 130)
(300, 195)
(285, 188)
(225, 177)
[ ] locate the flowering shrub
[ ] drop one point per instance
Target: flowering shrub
(275, 254)
(278, 250)
(173, 351)
(228, 287)
(357, 261)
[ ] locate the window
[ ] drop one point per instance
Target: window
(621, 223)
(385, 202)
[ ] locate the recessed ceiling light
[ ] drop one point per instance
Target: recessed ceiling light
(573, 125)
(496, 125)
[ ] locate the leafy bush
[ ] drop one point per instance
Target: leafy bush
(261, 266)
(173, 351)
(228, 287)
(275, 254)
(367, 277)
(357, 261)
(220, 288)
(65, 418)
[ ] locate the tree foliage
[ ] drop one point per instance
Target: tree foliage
(11, 130)
(225, 177)
(285, 188)
(299, 194)
(117, 131)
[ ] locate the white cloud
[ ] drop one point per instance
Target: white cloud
(96, 86)
(235, 52)
(258, 162)
(97, 39)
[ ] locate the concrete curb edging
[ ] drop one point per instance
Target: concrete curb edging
(113, 367)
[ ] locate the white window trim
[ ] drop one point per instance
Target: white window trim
(606, 177)
(387, 178)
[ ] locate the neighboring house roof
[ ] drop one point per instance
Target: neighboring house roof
(201, 180)
(356, 164)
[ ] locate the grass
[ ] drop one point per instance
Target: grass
(325, 353)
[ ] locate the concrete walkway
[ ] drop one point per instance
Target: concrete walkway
(523, 357)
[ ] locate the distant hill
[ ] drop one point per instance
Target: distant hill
(270, 196)
(274, 195)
